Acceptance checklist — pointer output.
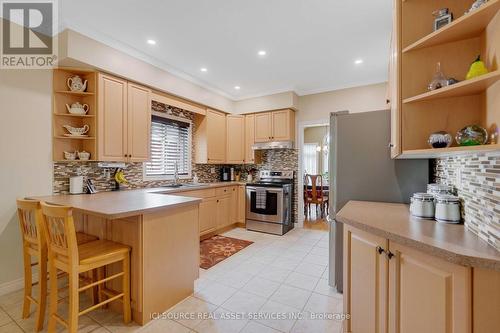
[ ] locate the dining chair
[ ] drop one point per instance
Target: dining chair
(315, 195)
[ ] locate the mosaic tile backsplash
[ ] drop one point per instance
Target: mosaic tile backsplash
(477, 181)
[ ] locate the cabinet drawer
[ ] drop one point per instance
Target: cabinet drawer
(221, 191)
(198, 193)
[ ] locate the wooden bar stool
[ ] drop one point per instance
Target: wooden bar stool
(34, 245)
(64, 254)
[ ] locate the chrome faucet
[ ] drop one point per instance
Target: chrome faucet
(176, 173)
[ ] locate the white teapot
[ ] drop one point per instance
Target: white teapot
(75, 83)
(77, 108)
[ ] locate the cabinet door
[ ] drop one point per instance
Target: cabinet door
(263, 127)
(249, 138)
(208, 215)
(139, 122)
(241, 204)
(365, 281)
(223, 211)
(235, 139)
(427, 294)
(216, 137)
(112, 118)
(234, 204)
(282, 125)
(393, 85)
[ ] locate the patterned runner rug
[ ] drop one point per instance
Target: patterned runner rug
(218, 248)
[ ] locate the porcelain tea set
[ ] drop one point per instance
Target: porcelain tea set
(76, 84)
(82, 155)
(76, 131)
(78, 108)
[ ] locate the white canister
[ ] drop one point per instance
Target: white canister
(422, 205)
(76, 185)
(448, 209)
(437, 189)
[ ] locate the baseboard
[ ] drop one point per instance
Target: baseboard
(15, 285)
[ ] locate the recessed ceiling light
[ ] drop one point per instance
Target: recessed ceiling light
(151, 42)
(203, 69)
(237, 87)
(262, 53)
(358, 61)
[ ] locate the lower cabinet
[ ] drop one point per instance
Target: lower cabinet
(223, 211)
(241, 204)
(208, 215)
(392, 288)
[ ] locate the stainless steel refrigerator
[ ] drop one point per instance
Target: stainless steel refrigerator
(360, 168)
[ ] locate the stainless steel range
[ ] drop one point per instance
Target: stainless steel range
(269, 203)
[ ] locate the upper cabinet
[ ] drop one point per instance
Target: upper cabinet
(417, 49)
(249, 138)
(235, 139)
(124, 113)
(210, 138)
(275, 126)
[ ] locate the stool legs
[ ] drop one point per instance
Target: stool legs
(42, 292)
(74, 302)
(126, 290)
(53, 297)
(27, 284)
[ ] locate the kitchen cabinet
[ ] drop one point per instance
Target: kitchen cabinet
(365, 281)
(210, 138)
(139, 122)
(390, 287)
(124, 113)
(241, 204)
(275, 126)
(393, 84)
(422, 286)
(249, 138)
(208, 215)
(223, 211)
(235, 139)
(234, 204)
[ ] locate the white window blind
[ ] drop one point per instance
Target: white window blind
(170, 144)
(310, 158)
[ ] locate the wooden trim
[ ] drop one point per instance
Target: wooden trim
(178, 102)
(219, 231)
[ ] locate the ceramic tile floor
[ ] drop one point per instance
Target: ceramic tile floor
(280, 281)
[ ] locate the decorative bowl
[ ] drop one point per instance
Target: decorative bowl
(70, 155)
(83, 155)
(440, 139)
(472, 135)
(78, 131)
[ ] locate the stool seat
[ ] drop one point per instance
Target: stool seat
(82, 238)
(99, 250)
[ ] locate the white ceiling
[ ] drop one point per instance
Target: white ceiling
(311, 44)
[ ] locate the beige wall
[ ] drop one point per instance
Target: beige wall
(25, 150)
(358, 99)
(285, 100)
(315, 134)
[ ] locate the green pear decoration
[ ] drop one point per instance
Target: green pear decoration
(477, 68)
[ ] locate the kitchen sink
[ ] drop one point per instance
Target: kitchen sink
(184, 185)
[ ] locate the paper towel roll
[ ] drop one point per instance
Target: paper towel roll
(76, 185)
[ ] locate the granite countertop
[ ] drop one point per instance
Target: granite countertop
(452, 242)
(120, 204)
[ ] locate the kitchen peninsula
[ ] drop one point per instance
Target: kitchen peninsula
(161, 229)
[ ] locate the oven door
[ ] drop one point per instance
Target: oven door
(273, 212)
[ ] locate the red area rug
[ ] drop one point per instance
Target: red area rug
(218, 248)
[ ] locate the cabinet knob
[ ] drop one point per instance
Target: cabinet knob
(380, 250)
(125, 155)
(389, 255)
(390, 145)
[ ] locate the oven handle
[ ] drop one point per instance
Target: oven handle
(268, 189)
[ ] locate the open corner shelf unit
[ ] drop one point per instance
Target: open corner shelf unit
(456, 45)
(62, 96)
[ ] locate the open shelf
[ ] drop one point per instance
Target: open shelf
(74, 115)
(468, 26)
(75, 137)
(464, 88)
(451, 151)
(76, 93)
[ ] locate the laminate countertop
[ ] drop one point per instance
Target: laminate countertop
(124, 203)
(452, 242)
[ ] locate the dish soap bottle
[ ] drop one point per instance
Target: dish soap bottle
(195, 178)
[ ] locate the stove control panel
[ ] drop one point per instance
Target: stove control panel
(276, 174)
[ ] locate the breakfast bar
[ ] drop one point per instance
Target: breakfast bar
(163, 233)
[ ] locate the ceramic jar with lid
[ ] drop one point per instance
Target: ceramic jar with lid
(448, 208)
(422, 205)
